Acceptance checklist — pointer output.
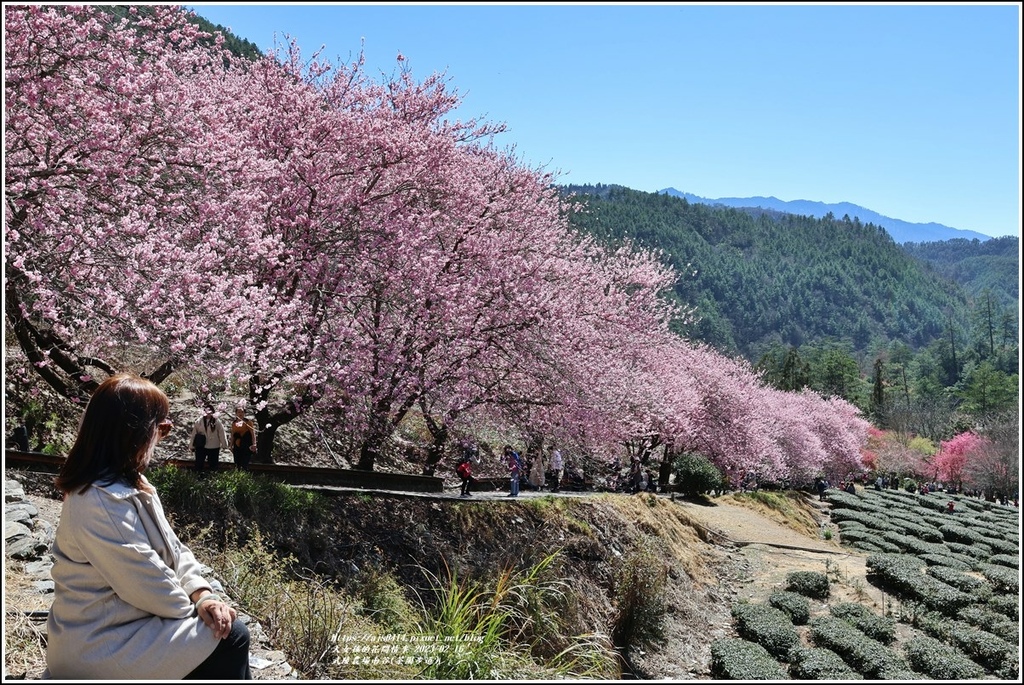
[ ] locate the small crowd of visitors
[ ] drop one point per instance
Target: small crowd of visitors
(209, 437)
(535, 472)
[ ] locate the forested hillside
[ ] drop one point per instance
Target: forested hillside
(992, 265)
(758, 282)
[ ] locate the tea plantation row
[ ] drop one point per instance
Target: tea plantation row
(954, 576)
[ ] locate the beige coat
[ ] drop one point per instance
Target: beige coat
(216, 436)
(122, 582)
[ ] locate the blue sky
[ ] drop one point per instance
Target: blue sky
(912, 111)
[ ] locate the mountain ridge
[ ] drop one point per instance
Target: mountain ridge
(900, 231)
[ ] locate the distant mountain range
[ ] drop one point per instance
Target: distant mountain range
(901, 231)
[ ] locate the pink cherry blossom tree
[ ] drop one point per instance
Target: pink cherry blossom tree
(335, 245)
(106, 131)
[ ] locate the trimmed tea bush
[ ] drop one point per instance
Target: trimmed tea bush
(864, 654)
(1003, 578)
(737, 659)
(926, 533)
(953, 532)
(818, 663)
(976, 551)
(940, 661)
(1007, 605)
(863, 619)
(981, 589)
(871, 521)
(902, 573)
(796, 606)
(945, 560)
(1010, 670)
(767, 626)
(808, 583)
(995, 623)
(912, 544)
(984, 648)
(1000, 546)
(1005, 560)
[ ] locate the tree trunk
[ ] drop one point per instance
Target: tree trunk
(369, 452)
(265, 445)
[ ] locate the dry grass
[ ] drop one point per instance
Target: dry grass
(789, 508)
(675, 530)
(24, 645)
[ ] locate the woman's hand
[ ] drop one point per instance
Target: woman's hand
(218, 615)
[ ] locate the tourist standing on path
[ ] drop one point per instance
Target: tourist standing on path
(537, 473)
(213, 440)
(243, 439)
(129, 602)
(556, 465)
(464, 469)
(515, 468)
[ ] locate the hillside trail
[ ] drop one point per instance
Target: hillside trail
(776, 545)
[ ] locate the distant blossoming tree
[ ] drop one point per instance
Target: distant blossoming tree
(954, 456)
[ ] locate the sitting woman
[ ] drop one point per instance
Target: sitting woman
(129, 601)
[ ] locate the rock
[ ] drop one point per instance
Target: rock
(20, 511)
(15, 530)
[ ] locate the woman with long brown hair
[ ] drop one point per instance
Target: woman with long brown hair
(129, 601)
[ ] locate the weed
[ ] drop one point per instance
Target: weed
(383, 601)
(833, 572)
(639, 595)
(858, 588)
(24, 644)
(489, 633)
(303, 615)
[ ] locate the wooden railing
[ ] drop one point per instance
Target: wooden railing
(293, 475)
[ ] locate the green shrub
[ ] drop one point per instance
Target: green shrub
(695, 474)
(383, 601)
(767, 626)
(818, 663)
(794, 605)
(864, 654)
(808, 583)
(880, 628)
(737, 659)
(938, 660)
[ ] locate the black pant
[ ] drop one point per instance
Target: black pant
(465, 485)
(230, 660)
(242, 456)
(210, 455)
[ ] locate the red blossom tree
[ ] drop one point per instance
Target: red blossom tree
(954, 456)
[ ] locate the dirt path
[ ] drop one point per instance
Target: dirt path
(774, 550)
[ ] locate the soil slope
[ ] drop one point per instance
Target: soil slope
(715, 552)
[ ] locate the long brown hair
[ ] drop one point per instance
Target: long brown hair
(116, 434)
